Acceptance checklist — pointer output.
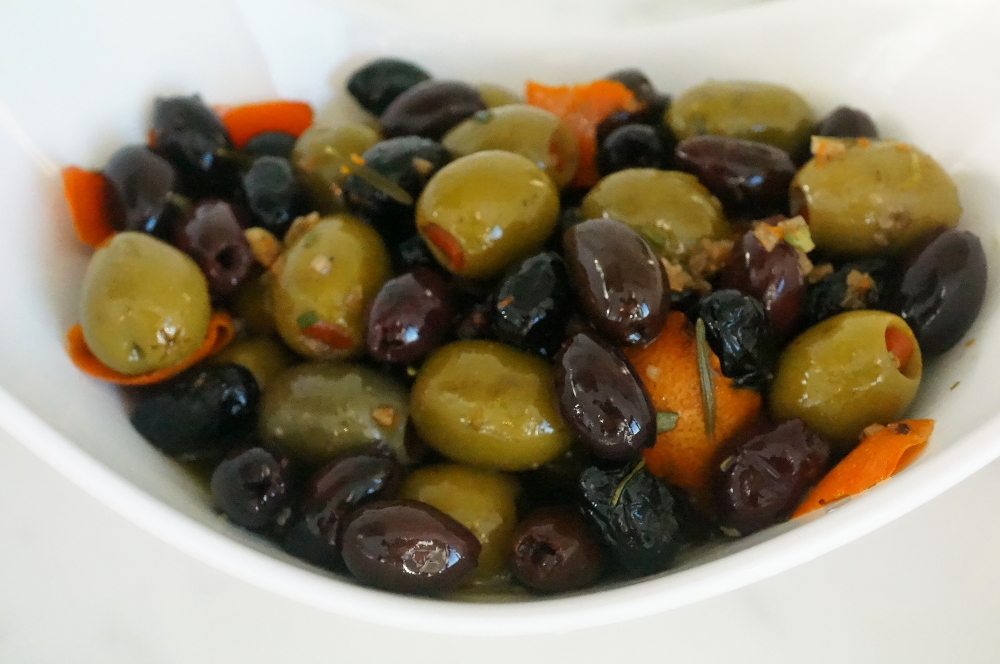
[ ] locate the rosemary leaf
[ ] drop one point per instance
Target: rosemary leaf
(705, 376)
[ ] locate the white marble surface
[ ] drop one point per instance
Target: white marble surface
(79, 584)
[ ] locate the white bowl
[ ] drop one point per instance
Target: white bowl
(77, 82)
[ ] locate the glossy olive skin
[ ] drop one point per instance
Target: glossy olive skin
(379, 82)
(322, 154)
(143, 183)
(484, 501)
(487, 405)
(847, 122)
(330, 496)
(602, 400)
(529, 131)
(273, 194)
(671, 210)
(753, 111)
(640, 531)
(194, 139)
(739, 333)
(200, 411)
(532, 304)
(410, 317)
(942, 290)
(748, 177)
(874, 200)
(252, 488)
(839, 377)
(263, 357)
(555, 550)
(429, 109)
(271, 144)
(407, 161)
(324, 284)
(773, 277)
(631, 146)
(213, 237)
(618, 280)
(320, 410)
(409, 547)
(144, 304)
(483, 212)
(765, 477)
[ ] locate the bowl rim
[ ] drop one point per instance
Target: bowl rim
(817, 534)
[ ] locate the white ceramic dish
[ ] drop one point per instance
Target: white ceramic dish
(76, 83)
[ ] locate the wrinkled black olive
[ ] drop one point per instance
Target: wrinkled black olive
(533, 303)
(866, 284)
(737, 329)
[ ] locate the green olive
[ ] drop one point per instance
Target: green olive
(485, 211)
(324, 284)
(870, 199)
(496, 95)
(145, 305)
(488, 405)
(322, 152)
(672, 210)
(840, 376)
(529, 131)
(741, 109)
(320, 410)
(484, 501)
(262, 356)
(252, 304)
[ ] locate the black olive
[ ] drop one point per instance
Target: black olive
(213, 237)
(409, 317)
(201, 411)
(846, 122)
(430, 109)
(252, 489)
(273, 194)
(737, 329)
(379, 82)
(533, 303)
(194, 139)
(271, 144)
(555, 550)
(144, 184)
(632, 146)
(641, 529)
(866, 284)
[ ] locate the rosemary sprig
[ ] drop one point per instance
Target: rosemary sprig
(705, 377)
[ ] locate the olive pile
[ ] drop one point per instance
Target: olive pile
(434, 382)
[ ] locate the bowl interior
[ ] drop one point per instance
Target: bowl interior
(928, 77)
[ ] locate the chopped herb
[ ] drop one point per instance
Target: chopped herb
(705, 376)
(955, 384)
(620, 489)
(308, 319)
(666, 421)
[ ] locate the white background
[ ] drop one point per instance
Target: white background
(79, 584)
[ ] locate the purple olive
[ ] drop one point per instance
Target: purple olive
(212, 236)
(555, 550)
(409, 547)
(143, 183)
(430, 109)
(409, 317)
(846, 122)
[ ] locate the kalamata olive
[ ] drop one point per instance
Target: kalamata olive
(271, 144)
(409, 547)
(738, 331)
(143, 183)
(409, 317)
(865, 284)
(631, 146)
(406, 163)
(252, 489)
(532, 304)
(331, 495)
(942, 290)
(766, 476)
(847, 122)
(193, 138)
(747, 176)
(602, 400)
(555, 550)
(201, 410)
(379, 82)
(635, 515)
(273, 194)
(774, 277)
(429, 109)
(618, 280)
(212, 236)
